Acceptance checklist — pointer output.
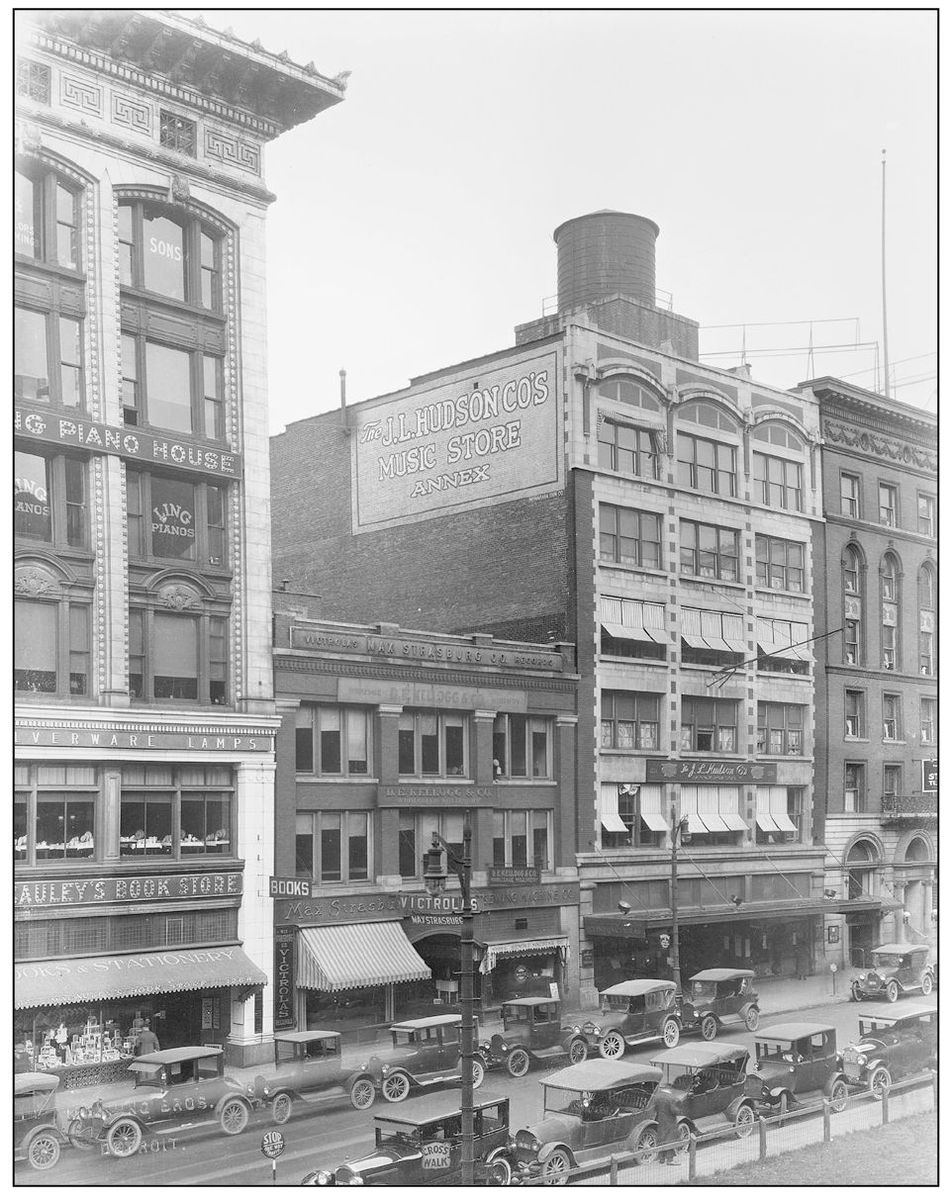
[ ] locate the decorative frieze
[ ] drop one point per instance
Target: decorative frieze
(234, 151)
(79, 93)
(131, 113)
(880, 446)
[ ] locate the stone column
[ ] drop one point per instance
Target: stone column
(563, 764)
(109, 827)
(386, 751)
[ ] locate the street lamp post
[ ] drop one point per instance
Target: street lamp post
(434, 876)
(679, 833)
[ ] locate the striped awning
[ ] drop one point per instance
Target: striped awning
(526, 948)
(351, 956)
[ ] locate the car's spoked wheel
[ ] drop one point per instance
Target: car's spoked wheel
(927, 983)
(44, 1151)
(362, 1093)
(683, 1137)
(499, 1173)
(743, 1124)
(881, 1081)
(752, 1019)
(556, 1168)
(234, 1117)
(281, 1109)
(517, 1063)
(478, 1073)
(891, 991)
(839, 1096)
(708, 1028)
(645, 1149)
(577, 1050)
(855, 994)
(396, 1087)
(78, 1135)
(671, 1034)
(612, 1046)
(124, 1138)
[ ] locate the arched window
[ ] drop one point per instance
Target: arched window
(927, 607)
(860, 863)
(626, 443)
(778, 469)
(917, 850)
(891, 612)
(852, 587)
(47, 208)
(704, 462)
(170, 252)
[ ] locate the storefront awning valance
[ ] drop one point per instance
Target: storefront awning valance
(558, 943)
(352, 956)
(73, 980)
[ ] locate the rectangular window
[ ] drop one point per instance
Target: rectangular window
(779, 728)
(212, 396)
(31, 364)
(333, 740)
(891, 780)
(629, 536)
(521, 838)
(172, 255)
(708, 725)
(780, 563)
(130, 381)
(208, 251)
(888, 505)
(712, 638)
(929, 718)
(47, 658)
(926, 514)
(33, 81)
(889, 647)
(925, 652)
(431, 743)
(304, 847)
(185, 520)
(855, 714)
(49, 499)
(176, 657)
(409, 855)
(777, 482)
(709, 551)
(521, 747)
(176, 812)
(713, 818)
(177, 133)
(854, 797)
(630, 721)
(627, 449)
(168, 387)
(783, 646)
(55, 807)
(850, 636)
(70, 363)
(25, 196)
(706, 465)
(632, 628)
(333, 847)
(891, 717)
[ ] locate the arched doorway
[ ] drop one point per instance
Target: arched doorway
(441, 952)
(861, 864)
(916, 894)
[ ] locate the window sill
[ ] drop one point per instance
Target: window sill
(855, 740)
(518, 782)
(785, 592)
(142, 295)
(180, 564)
(712, 581)
(179, 705)
(50, 698)
(24, 545)
(464, 779)
(624, 658)
(658, 572)
(306, 777)
(72, 274)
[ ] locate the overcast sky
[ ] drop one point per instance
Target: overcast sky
(413, 223)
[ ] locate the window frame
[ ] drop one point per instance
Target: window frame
(610, 720)
(769, 544)
(645, 463)
(855, 500)
(931, 512)
(891, 492)
(423, 822)
(696, 552)
(66, 651)
(45, 179)
(138, 414)
(193, 226)
(346, 714)
(509, 818)
(617, 513)
(892, 723)
(855, 714)
(691, 466)
(442, 717)
(896, 772)
(57, 500)
(763, 485)
(177, 792)
(29, 791)
(929, 724)
(52, 318)
(691, 730)
(502, 737)
(773, 718)
(323, 822)
(140, 525)
(207, 635)
(860, 788)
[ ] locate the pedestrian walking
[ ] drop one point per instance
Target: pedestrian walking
(802, 961)
(667, 1130)
(148, 1042)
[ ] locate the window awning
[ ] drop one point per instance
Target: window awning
(630, 633)
(76, 980)
(530, 947)
(765, 822)
(340, 957)
(694, 639)
(610, 817)
(734, 821)
(654, 820)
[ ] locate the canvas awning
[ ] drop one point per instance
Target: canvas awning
(610, 817)
(528, 948)
(339, 957)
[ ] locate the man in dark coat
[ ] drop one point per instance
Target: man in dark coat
(148, 1042)
(667, 1131)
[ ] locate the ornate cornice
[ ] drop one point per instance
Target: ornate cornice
(880, 446)
(388, 672)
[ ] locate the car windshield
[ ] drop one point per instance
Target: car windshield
(321, 1048)
(566, 1100)
(677, 1075)
(622, 1003)
(887, 960)
(402, 1139)
(515, 1014)
(702, 989)
(149, 1076)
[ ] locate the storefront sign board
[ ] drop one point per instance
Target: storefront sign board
(141, 737)
(430, 695)
(463, 654)
(929, 775)
(508, 875)
(285, 948)
(661, 770)
(63, 893)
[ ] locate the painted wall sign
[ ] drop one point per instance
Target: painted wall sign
(142, 737)
(448, 794)
(108, 439)
(489, 437)
(453, 654)
(285, 947)
(929, 775)
(58, 893)
(279, 886)
(696, 771)
(429, 695)
(515, 875)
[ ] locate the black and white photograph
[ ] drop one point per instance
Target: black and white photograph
(475, 597)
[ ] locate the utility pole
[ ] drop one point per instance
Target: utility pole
(678, 832)
(886, 390)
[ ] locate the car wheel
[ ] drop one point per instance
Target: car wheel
(927, 984)
(233, 1116)
(671, 1034)
(752, 1019)
(645, 1148)
(43, 1151)
(518, 1062)
(683, 1137)
(77, 1136)
(124, 1138)
(396, 1087)
(839, 1096)
(892, 991)
(708, 1028)
(856, 995)
(499, 1172)
(782, 1108)
(281, 1108)
(577, 1050)
(362, 1093)
(880, 1082)
(743, 1121)
(555, 1168)
(478, 1072)
(612, 1045)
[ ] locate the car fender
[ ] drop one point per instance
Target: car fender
(46, 1127)
(549, 1149)
(741, 1102)
(647, 1123)
(235, 1094)
(747, 1006)
(832, 1081)
(362, 1073)
(114, 1118)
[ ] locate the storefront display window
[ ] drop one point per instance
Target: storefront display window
(175, 813)
(56, 804)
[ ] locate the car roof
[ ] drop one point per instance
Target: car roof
(793, 1030)
(638, 987)
(719, 974)
(180, 1054)
(306, 1035)
(598, 1074)
(34, 1081)
(898, 948)
(432, 1108)
(904, 1008)
(427, 1022)
(700, 1056)
(526, 1001)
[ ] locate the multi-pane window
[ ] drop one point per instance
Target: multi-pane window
(708, 725)
(627, 449)
(926, 514)
(891, 612)
(175, 518)
(625, 391)
(176, 812)
(33, 80)
(929, 718)
(892, 730)
(47, 358)
(891, 780)
(854, 791)
(888, 505)
(416, 829)
(780, 564)
(333, 847)
(783, 645)
(178, 656)
(49, 499)
(779, 729)
(522, 838)
(927, 607)
(711, 638)
(706, 465)
(850, 641)
(777, 482)
(54, 812)
(521, 747)
(169, 388)
(165, 251)
(849, 495)
(630, 721)
(632, 815)
(630, 536)
(433, 743)
(709, 550)
(51, 647)
(333, 740)
(851, 571)
(632, 628)
(177, 133)
(47, 212)
(854, 714)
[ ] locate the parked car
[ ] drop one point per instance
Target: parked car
(423, 1146)
(797, 1062)
(309, 1066)
(533, 1032)
(716, 995)
(591, 1109)
(638, 1010)
(36, 1132)
(425, 1051)
(896, 968)
(171, 1088)
(706, 1088)
(892, 1044)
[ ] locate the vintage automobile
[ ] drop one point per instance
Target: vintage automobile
(638, 1010)
(308, 1067)
(180, 1087)
(36, 1133)
(896, 968)
(425, 1051)
(591, 1109)
(423, 1146)
(706, 1088)
(797, 1062)
(714, 996)
(533, 1032)
(892, 1044)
